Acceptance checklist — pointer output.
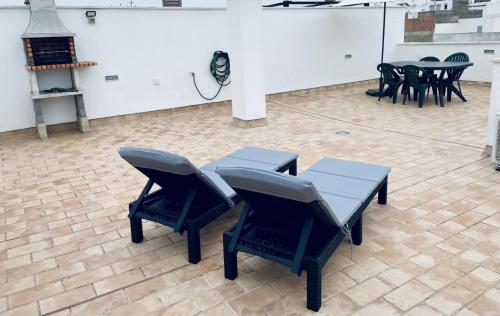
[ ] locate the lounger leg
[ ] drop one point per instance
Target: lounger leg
(293, 169)
(136, 230)
(194, 248)
(382, 193)
(314, 289)
(357, 232)
(230, 260)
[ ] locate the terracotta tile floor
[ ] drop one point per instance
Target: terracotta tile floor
(433, 250)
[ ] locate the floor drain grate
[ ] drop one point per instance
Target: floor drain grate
(343, 132)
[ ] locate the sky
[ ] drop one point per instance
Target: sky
(186, 3)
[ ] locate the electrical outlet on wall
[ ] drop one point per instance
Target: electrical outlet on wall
(156, 81)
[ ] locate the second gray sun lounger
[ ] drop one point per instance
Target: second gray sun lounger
(300, 221)
(189, 198)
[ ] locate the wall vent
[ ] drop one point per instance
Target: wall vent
(172, 3)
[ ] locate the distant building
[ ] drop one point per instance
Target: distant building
(439, 5)
(462, 23)
(479, 4)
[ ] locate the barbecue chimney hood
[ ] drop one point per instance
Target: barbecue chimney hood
(45, 22)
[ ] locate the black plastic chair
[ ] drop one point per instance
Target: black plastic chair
(433, 77)
(390, 78)
(418, 79)
(453, 75)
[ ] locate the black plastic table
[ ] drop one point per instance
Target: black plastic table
(442, 66)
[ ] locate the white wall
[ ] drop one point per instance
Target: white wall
(492, 9)
(489, 24)
(494, 103)
(306, 48)
(303, 48)
(137, 3)
(481, 71)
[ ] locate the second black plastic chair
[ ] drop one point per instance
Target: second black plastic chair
(453, 75)
(418, 79)
(390, 78)
(433, 77)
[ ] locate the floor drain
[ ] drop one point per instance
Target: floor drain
(343, 133)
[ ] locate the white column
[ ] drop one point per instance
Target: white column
(494, 103)
(247, 61)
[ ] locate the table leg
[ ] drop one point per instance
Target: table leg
(441, 88)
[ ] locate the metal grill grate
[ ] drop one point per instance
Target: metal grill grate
(50, 51)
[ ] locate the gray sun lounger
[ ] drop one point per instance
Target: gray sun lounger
(189, 198)
(300, 221)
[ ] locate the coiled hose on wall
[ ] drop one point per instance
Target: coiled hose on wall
(220, 68)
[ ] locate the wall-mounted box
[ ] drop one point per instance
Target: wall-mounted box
(112, 78)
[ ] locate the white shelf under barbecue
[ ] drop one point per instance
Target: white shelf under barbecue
(48, 95)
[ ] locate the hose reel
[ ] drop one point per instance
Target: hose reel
(220, 68)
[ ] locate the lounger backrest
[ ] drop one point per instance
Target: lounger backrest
(279, 185)
(153, 162)
(158, 160)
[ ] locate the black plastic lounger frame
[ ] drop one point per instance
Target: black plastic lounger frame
(189, 207)
(186, 200)
(291, 233)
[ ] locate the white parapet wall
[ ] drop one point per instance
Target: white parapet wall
(487, 24)
(481, 71)
(494, 103)
(153, 51)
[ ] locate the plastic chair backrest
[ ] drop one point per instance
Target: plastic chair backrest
(458, 57)
(455, 74)
(429, 58)
(389, 72)
(413, 74)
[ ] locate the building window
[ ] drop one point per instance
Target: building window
(480, 29)
(446, 7)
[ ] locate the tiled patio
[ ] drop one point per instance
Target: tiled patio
(434, 249)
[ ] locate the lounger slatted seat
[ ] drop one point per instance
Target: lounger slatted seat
(300, 221)
(189, 198)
